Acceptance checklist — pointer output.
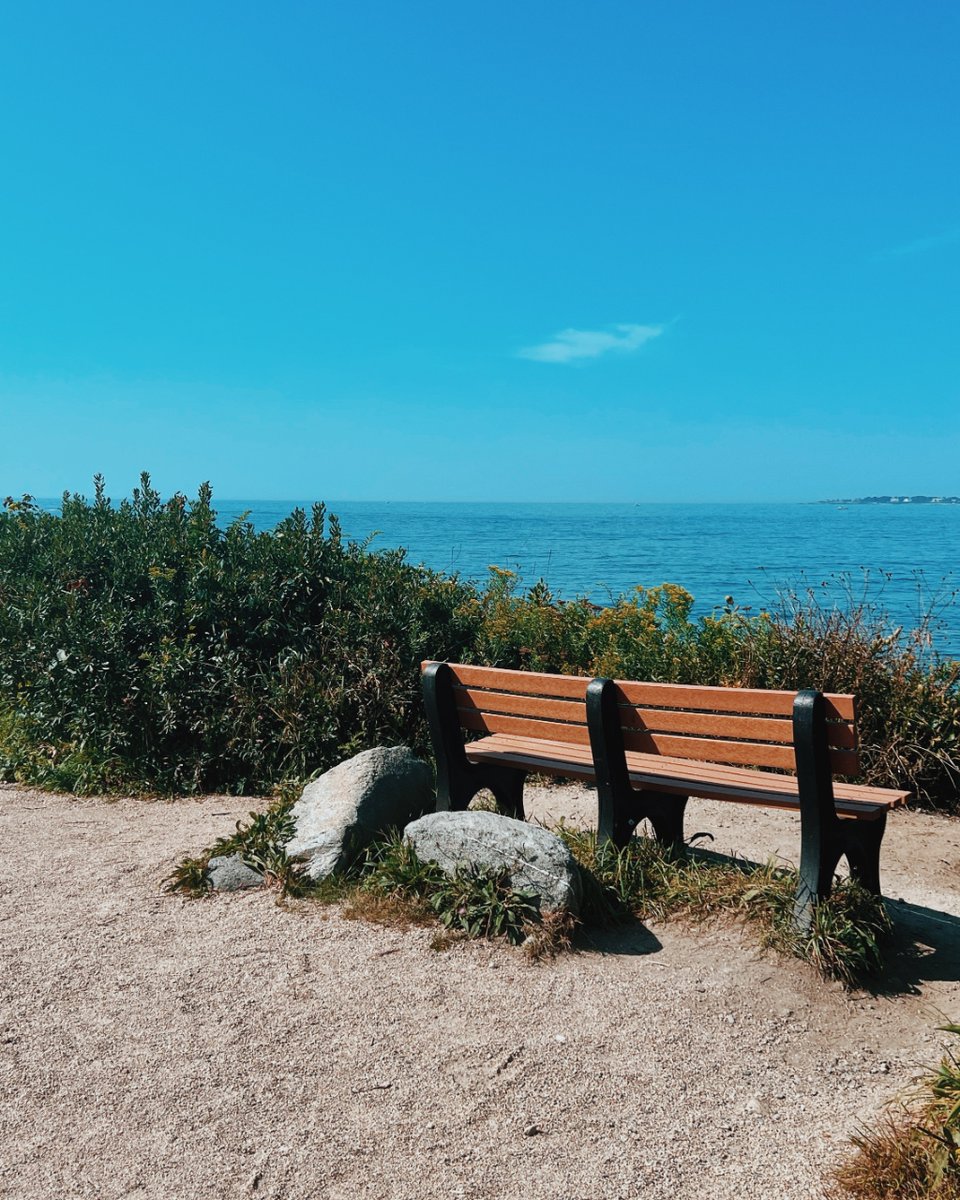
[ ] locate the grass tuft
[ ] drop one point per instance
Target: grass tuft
(550, 936)
(649, 881)
(916, 1155)
(190, 876)
(389, 884)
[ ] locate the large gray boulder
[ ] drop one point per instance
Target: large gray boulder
(538, 861)
(344, 810)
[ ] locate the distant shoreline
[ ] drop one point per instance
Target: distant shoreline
(896, 500)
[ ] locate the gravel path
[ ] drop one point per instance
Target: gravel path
(157, 1048)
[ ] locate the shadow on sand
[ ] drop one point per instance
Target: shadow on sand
(925, 948)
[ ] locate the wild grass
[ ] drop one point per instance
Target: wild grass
(648, 881)
(913, 1154)
(389, 884)
(261, 842)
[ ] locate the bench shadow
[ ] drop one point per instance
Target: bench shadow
(924, 948)
(628, 937)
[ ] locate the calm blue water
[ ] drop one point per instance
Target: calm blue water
(908, 554)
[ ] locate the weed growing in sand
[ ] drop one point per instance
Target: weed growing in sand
(485, 904)
(261, 842)
(472, 901)
(914, 1155)
(189, 876)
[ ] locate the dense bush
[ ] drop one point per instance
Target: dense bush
(141, 646)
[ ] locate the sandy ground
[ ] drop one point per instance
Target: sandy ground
(234, 1047)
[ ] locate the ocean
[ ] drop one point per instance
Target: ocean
(901, 558)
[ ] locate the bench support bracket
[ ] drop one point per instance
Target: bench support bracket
(458, 779)
(824, 837)
(621, 807)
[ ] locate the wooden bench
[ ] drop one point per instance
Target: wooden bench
(648, 747)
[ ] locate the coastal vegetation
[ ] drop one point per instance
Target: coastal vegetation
(145, 648)
(915, 1153)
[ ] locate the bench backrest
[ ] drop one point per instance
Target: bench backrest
(748, 727)
(524, 703)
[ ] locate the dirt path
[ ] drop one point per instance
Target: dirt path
(156, 1048)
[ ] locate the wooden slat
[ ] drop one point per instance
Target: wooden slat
(841, 736)
(746, 754)
(571, 711)
(522, 683)
(547, 730)
(751, 701)
(539, 759)
(745, 701)
(681, 777)
(757, 729)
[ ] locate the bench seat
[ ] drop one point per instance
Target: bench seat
(680, 776)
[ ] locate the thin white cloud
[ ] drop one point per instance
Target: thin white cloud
(571, 344)
(921, 245)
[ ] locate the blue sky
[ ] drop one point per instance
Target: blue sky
(546, 251)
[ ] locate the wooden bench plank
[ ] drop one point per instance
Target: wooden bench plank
(569, 711)
(523, 683)
(708, 772)
(748, 754)
(842, 736)
(751, 701)
(553, 731)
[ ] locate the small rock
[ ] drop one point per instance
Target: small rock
(531, 1130)
(229, 873)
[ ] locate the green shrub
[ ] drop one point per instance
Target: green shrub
(141, 646)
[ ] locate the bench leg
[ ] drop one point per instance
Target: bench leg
(820, 836)
(861, 846)
(857, 841)
(458, 779)
(665, 814)
(456, 788)
(820, 852)
(615, 797)
(615, 823)
(506, 783)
